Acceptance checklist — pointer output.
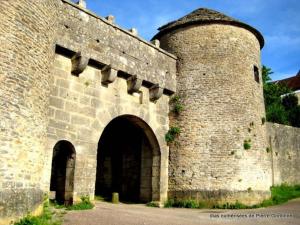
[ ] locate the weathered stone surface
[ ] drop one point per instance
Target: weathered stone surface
(223, 107)
(284, 147)
(27, 49)
(81, 121)
(134, 84)
(128, 53)
(79, 63)
(42, 103)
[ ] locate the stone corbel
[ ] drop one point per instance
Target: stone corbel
(155, 92)
(79, 63)
(134, 84)
(109, 75)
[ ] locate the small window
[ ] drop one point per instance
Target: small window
(256, 74)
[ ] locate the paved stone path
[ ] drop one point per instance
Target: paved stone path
(122, 214)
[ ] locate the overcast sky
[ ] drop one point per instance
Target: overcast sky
(277, 20)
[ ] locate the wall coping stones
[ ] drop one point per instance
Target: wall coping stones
(108, 22)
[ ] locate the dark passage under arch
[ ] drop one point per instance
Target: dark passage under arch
(128, 161)
(62, 173)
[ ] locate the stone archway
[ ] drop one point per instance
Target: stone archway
(128, 161)
(62, 172)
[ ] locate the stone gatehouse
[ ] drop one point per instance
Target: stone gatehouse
(85, 109)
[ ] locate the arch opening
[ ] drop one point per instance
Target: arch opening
(62, 172)
(128, 161)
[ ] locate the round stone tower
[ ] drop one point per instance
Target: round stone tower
(221, 154)
(27, 47)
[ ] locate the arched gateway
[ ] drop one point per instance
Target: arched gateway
(128, 161)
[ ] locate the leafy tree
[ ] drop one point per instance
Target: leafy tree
(281, 104)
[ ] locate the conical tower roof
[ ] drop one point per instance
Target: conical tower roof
(206, 16)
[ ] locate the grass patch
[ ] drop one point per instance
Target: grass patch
(85, 204)
(280, 194)
(284, 192)
(49, 217)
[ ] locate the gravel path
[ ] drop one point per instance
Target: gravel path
(123, 214)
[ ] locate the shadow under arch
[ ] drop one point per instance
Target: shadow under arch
(128, 161)
(62, 172)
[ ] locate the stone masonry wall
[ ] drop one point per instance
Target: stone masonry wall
(102, 40)
(27, 31)
(285, 146)
(223, 108)
(81, 107)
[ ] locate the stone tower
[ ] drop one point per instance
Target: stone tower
(27, 33)
(221, 151)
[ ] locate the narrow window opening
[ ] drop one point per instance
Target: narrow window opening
(256, 74)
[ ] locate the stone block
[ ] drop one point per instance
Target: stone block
(57, 102)
(62, 116)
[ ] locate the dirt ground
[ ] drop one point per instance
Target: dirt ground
(123, 214)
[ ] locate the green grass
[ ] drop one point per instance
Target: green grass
(85, 204)
(49, 217)
(284, 192)
(279, 195)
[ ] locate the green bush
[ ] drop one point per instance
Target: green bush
(247, 144)
(294, 115)
(281, 104)
(176, 104)
(172, 134)
(276, 113)
(290, 101)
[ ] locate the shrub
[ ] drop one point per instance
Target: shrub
(294, 115)
(172, 134)
(290, 101)
(177, 105)
(247, 144)
(283, 110)
(276, 113)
